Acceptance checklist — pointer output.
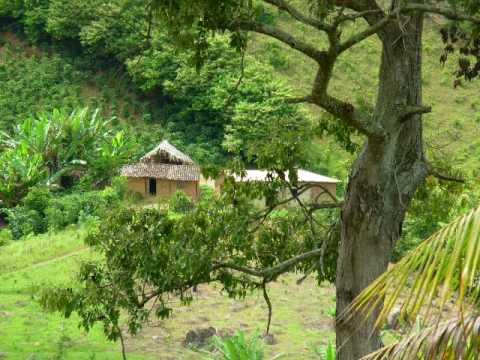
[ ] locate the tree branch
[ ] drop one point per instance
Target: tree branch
(445, 177)
(299, 16)
(271, 272)
(298, 100)
(411, 110)
(282, 36)
(359, 37)
(449, 13)
(352, 117)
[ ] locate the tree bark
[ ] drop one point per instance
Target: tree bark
(382, 183)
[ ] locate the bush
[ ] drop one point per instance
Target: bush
(40, 211)
(29, 216)
(71, 209)
(5, 236)
(239, 348)
(325, 352)
(24, 221)
(206, 194)
(180, 203)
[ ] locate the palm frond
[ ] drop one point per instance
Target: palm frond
(455, 339)
(444, 267)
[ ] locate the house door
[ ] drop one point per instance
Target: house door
(152, 186)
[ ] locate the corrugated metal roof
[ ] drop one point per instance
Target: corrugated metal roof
(304, 176)
(162, 171)
(169, 152)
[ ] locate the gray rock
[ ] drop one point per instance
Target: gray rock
(269, 339)
(199, 337)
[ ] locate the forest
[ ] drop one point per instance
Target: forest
(382, 95)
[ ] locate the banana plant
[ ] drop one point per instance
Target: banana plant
(60, 143)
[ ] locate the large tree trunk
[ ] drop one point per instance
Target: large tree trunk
(382, 183)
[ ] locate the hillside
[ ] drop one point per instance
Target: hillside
(453, 127)
(43, 78)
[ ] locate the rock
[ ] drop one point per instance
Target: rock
(156, 338)
(269, 339)
(199, 337)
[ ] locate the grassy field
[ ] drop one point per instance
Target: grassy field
(302, 315)
(26, 332)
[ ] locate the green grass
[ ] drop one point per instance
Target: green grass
(26, 331)
(37, 249)
(300, 317)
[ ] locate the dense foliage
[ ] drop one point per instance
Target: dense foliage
(41, 210)
(59, 145)
(192, 107)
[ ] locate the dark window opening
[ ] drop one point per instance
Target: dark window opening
(152, 186)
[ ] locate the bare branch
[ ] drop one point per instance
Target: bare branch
(449, 13)
(271, 272)
(299, 16)
(282, 36)
(411, 110)
(321, 206)
(354, 16)
(441, 176)
(359, 37)
(298, 100)
(352, 117)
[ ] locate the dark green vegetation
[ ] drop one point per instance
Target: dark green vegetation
(224, 103)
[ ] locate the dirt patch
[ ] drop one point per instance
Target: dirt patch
(296, 321)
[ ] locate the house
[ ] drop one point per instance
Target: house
(163, 171)
(318, 188)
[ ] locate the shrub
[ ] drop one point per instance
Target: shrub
(325, 352)
(5, 236)
(24, 221)
(238, 348)
(29, 216)
(40, 210)
(180, 203)
(206, 194)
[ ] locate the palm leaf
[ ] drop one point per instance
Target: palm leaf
(444, 267)
(458, 338)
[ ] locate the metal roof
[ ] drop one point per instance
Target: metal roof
(304, 176)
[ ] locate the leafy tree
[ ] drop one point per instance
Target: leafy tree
(443, 269)
(392, 163)
(221, 238)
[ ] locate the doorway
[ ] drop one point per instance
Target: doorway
(152, 186)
